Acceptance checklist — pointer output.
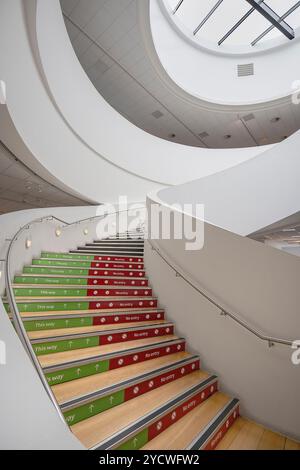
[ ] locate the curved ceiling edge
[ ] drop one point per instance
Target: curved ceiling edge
(143, 155)
(41, 67)
(179, 90)
(15, 141)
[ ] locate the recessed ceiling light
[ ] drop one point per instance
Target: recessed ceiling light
(227, 136)
(157, 114)
(203, 135)
(248, 117)
(275, 119)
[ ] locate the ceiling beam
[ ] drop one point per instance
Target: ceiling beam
(209, 14)
(273, 17)
(236, 26)
(285, 15)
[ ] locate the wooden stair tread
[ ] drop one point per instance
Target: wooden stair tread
(90, 329)
(49, 360)
(290, 444)
(247, 435)
(76, 388)
(100, 427)
(127, 298)
(181, 434)
(86, 312)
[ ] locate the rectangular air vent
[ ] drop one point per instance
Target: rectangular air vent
(245, 70)
(248, 117)
(203, 135)
(157, 114)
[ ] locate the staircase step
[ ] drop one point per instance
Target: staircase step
(59, 292)
(51, 322)
(94, 329)
(87, 264)
(110, 253)
(130, 424)
(99, 401)
(30, 280)
(78, 272)
(69, 391)
(80, 305)
(107, 357)
(57, 344)
(92, 257)
(202, 428)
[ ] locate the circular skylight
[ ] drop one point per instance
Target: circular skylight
(236, 22)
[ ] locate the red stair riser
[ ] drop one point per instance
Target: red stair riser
(218, 436)
(106, 304)
(118, 282)
(142, 356)
(135, 335)
(124, 273)
(121, 259)
(119, 293)
(112, 265)
(166, 421)
(134, 317)
(171, 376)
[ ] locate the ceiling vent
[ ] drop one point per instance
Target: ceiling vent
(203, 135)
(245, 70)
(100, 67)
(157, 114)
(248, 117)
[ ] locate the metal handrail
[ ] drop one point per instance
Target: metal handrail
(224, 311)
(17, 320)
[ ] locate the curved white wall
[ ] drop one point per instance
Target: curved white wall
(250, 196)
(70, 130)
(212, 75)
(257, 283)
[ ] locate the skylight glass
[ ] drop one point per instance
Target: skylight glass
(228, 12)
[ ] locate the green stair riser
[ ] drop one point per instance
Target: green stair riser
(136, 442)
(35, 292)
(65, 345)
(40, 325)
(65, 264)
(36, 307)
(91, 409)
(50, 280)
(55, 271)
(67, 256)
(66, 375)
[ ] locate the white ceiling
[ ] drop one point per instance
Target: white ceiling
(21, 189)
(108, 42)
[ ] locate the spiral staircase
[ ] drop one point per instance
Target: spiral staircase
(121, 376)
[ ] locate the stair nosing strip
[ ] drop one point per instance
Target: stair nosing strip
(84, 399)
(22, 300)
(218, 420)
(127, 432)
(78, 267)
(50, 339)
(104, 357)
(79, 277)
